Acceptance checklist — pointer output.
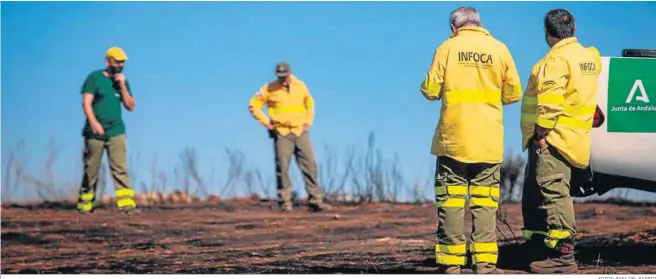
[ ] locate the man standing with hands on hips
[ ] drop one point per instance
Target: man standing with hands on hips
(103, 93)
(557, 115)
(291, 113)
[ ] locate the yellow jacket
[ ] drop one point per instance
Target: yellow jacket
(290, 109)
(473, 74)
(597, 55)
(562, 95)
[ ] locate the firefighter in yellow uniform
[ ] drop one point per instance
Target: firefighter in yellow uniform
(474, 75)
(556, 121)
(291, 113)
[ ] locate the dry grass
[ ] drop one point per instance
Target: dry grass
(357, 176)
(360, 175)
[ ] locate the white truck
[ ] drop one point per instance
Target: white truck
(624, 130)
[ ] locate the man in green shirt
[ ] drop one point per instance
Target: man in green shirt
(103, 93)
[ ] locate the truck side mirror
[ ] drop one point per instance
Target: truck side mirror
(644, 53)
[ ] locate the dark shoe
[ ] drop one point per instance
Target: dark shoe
(319, 207)
(130, 210)
(486, 268)
(448, 269)
(286, 208)
(560, 260)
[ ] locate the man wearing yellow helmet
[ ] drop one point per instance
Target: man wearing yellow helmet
(103, 92)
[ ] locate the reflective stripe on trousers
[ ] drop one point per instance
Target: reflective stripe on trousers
(456, 254)
(485, 252)
(552, 237)
(450, 197)
(484, 196)
(481, 196)
(450, 254)
(86, 201)
(124, 198)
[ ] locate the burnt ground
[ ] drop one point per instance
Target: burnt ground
(249, 237)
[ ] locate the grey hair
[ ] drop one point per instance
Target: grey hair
(465, 15)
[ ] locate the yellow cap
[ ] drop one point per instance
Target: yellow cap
(117, 53)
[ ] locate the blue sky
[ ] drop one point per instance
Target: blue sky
(194, 66)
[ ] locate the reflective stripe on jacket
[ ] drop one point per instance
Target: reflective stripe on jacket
(562, 95)
(473, 74)
(289, 108)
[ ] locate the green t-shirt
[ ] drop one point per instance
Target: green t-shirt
(106, 105)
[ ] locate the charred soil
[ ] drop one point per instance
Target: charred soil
(253, 237)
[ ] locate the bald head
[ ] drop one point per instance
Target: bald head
(464, 16)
